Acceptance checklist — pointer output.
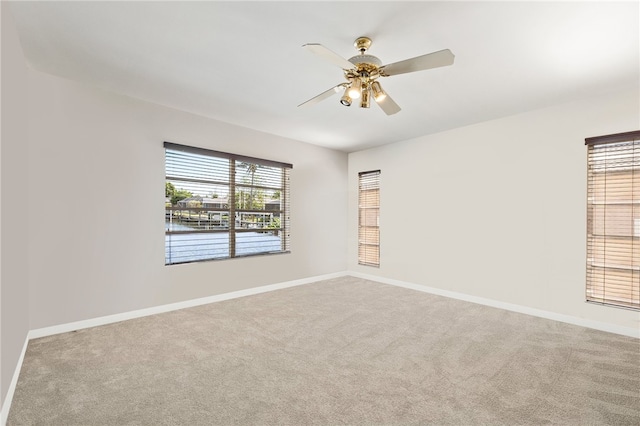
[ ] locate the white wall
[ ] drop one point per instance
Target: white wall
(495, 210)
(14, 168)
(96, 203)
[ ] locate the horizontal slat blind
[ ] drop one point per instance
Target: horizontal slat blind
(613, 220)
(369, 218)
(220, 205)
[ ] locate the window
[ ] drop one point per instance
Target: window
(220, 205)
(369, 218)
(613, 220)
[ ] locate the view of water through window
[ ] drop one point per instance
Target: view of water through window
(215, 245)
(219, 205)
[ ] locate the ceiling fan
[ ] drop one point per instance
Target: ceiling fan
(362, 72)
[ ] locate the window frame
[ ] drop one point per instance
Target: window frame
(369, 210)
(613, 215)
(230, 209)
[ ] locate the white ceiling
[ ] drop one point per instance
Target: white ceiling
(242, 62)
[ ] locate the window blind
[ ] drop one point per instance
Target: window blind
(613, 220)
(369, 218)
(220, 205)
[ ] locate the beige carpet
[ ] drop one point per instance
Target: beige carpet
(342, 351)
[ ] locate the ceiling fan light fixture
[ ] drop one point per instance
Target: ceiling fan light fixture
(345, 99)
(378, 93)
(354, 89)
(364, 102)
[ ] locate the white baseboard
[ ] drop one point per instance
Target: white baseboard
(6, 405)
(597, 325)
(110, 319)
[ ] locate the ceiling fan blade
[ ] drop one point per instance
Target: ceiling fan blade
(388, 105)
(328, 55)
(437, 59)
(322, 96)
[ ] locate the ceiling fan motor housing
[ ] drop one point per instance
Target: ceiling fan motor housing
(365, 60)
(366, 66)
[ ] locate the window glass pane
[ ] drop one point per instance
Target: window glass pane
(218, 207)
(369, 218)
(613, 223)
(190, 247)
(186, 165)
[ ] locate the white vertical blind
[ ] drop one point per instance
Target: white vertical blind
(613, 220)
(220, 205)
(369, 218)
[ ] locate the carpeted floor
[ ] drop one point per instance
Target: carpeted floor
(342, 351)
